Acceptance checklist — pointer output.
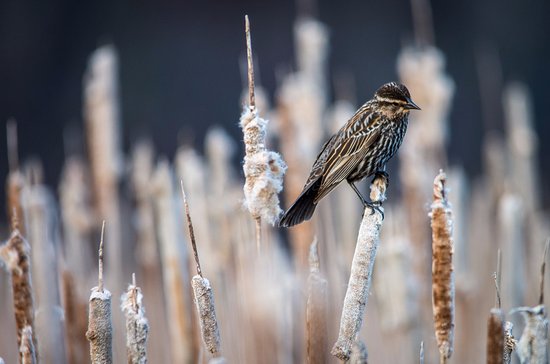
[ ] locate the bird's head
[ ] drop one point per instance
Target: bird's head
(394, 99)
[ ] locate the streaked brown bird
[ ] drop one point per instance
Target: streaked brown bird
(360, 149)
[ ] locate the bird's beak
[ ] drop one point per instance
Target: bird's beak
(411, 105)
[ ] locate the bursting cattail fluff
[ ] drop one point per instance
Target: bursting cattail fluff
(263, 169)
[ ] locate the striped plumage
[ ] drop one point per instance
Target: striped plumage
(358, 150)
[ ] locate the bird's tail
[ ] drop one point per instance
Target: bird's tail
(302, 209)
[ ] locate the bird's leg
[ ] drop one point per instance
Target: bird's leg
(374, 205)
(363, 200)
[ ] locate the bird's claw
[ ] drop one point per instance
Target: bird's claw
(374, 206)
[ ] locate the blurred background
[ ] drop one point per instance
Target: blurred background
(115, 102)
(180, 72)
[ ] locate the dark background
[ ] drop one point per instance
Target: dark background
(180, 75)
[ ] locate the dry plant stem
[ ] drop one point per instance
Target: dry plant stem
(361, 274)
(26, 350)
(191, 231)
(317, 310)
(15, 254)
(100, 330)
(422, 352)
(204, 299)
(442, 268)
(251, 96)
(495, 337)
(137, 326)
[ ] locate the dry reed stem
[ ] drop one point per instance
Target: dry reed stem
(443, 295)
(137, 326)
(15, 255)
(422, 352)
(361, 274)
(191, 231)
(317, 310)
(204, 299)
(510, 342)
(100, 330)
(495, 337)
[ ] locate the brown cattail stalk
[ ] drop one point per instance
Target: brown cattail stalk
(361, 273)
(204, 296)
(495, 337)
(443, 295)
(26, 350)
(100, 330)
(263, 169)
(317, 310)
(15, 255)
(137, 326)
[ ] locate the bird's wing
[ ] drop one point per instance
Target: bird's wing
(348, 153)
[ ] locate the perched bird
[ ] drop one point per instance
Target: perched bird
(359, 149)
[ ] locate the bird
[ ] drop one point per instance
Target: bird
(360, 149)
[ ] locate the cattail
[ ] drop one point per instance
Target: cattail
(361, 273)
(359, 353)
(263, 169)
(15, 255)
(443, 294)
(510, 342)
(532, 346)
(204, 296)
(26, 350)
(317, 309)
(495, 337)
(102, 119)
(100, 329)
(137, 326)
